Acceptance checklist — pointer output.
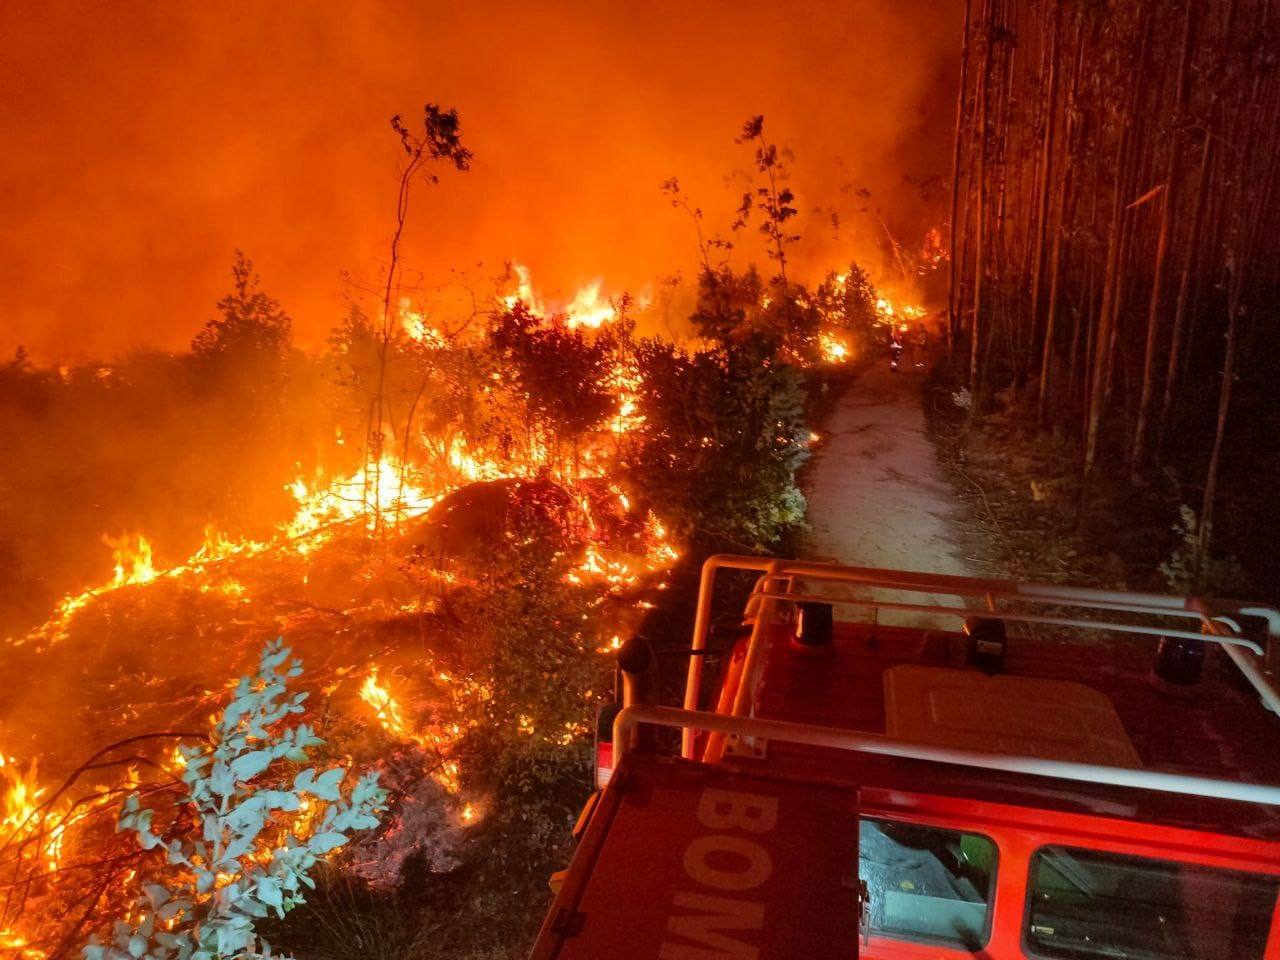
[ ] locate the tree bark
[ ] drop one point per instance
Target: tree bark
(1173, 174)
(1042, 201)
(953, 292)
(1056, 256)
(1224, 407)
(1102, 336)
(979, 257)
(1178, 335)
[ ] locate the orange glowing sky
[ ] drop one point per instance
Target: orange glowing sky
(142, 143)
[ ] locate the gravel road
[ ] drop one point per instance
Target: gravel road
(877, 495)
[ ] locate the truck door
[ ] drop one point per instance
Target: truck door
(684, 861)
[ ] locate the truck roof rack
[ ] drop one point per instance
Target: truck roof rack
(1102, 612)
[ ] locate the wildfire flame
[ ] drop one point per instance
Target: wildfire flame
(133, 562)
(586, 309)
(438, 740)
(417, 327)
(834, 346)
(889, 312)
(386, 708)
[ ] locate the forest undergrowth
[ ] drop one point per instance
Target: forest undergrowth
(1031, 516)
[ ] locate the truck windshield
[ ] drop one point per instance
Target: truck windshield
(1087, 904)
(926, 883)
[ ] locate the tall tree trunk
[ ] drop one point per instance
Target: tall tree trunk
(375, 432)
(953, 295)
(1224, 407)
(1102, 336)
(1178, 335)
(1042, 201)
(1086, 307)
(979, 256)
(1057, 230)
(1127, 232)
(1173, 174)
(1086, 324)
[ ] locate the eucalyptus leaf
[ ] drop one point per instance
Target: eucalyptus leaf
(322, 843)
(328, 783)
(251, 764)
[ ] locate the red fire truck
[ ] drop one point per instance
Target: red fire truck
(941, 776)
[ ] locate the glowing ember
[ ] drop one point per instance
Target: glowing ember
(613, 646)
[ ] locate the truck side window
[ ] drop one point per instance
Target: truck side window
(1085, 904)
(926, 883)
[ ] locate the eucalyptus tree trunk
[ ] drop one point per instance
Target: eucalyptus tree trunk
(1042, 201)
(979, 258)
(1178, 335)
(1057, 230)
(1173, 175)
(1224, 406)
(954, 299)
(1102, 334)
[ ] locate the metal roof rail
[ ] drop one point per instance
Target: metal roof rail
(878, 744)
(1218, 620)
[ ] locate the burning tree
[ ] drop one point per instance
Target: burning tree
(439, 141)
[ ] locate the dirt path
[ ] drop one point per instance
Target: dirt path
(877, 495)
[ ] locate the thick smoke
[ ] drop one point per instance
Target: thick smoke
(143, 144)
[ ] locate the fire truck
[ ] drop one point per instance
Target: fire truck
(951, 767)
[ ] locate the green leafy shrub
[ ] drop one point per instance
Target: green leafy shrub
(244, 838)
(1188, 570)
(723, 434)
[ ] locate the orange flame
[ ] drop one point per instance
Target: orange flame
(586, 309)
